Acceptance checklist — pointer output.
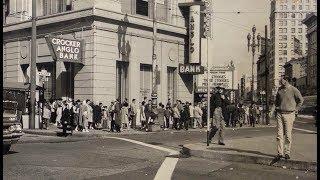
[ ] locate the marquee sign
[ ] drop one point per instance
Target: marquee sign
(191, 69)
(66, 50)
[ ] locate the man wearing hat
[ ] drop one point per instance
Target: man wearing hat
(287, 104)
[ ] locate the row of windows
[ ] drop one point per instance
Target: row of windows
(283, 45)
(290, 15)
(283, 52)
(282, 30)
(293, 30)
(298, 1)
(285, 23)
(294, 7)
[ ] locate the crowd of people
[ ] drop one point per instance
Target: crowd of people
(118, 116)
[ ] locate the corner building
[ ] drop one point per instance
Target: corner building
(117, 55)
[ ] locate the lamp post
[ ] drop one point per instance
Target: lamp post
(253, 46)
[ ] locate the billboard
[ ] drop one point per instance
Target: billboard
(220, 76)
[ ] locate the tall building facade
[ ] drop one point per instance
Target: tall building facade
(286, 25)
(311, 22)
(117, 53)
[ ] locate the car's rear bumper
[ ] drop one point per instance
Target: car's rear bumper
(11, 138)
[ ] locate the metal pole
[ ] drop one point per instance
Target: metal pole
(266, 73)
(208, 94)
(33, 67)
(154, 58)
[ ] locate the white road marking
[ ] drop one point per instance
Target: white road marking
(305, 130)
(167, 167)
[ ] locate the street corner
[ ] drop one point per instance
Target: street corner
(232, 154)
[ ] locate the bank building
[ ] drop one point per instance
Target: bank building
(115, 58)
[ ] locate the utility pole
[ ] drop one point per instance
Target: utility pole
(266, 73)
(33, 66)
(208, 34)
(154, 95)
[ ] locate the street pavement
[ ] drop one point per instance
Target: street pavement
(104, 158)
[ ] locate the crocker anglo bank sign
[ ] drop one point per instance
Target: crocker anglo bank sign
(66, 50)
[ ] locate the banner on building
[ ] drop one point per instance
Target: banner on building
(66, 50)
(194, 34)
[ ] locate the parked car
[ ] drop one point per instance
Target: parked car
(12, 128)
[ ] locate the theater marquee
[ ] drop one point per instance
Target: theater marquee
(66, 50)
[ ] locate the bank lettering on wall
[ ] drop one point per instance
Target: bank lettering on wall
(67, 50)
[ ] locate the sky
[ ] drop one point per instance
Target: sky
(230, 31)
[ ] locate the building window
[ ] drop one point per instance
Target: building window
(284, 52)
(284, 45)
(284, 37)
(69, 5)
(142, 7)
(285, 15)
(280, 30)
(293, 30)
(300, 7)
(307, 1)
(285, 22)
(281, 7)
(300, 23)
(285, 30)
(285, 7)
(300, 37)
(280, 23)
(300, 15)
(292, 38)
(281, 15)
(280, 45)
(300, 30)
(280, 52)
(293, 15)
(307, 7)
(293, 7)
(293, 23)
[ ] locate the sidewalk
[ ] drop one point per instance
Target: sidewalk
(54, 131)
(261, 150)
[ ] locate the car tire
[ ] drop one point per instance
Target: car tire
(6, 148)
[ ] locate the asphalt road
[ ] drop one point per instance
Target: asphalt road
(118, 159)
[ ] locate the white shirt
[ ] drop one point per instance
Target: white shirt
(191, 109)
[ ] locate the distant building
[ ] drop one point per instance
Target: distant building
(296, 70)
(261, 67)
(285, 25)
(311, 22)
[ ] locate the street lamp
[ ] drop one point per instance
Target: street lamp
(253, 46)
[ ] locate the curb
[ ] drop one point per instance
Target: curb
(263, 160)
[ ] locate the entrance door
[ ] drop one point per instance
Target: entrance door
(122, 90)
(171, 83)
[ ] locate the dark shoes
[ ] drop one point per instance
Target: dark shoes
(278, 157)
(221, 143)
(286, 156)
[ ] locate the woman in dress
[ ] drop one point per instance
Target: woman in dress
(124, 113)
